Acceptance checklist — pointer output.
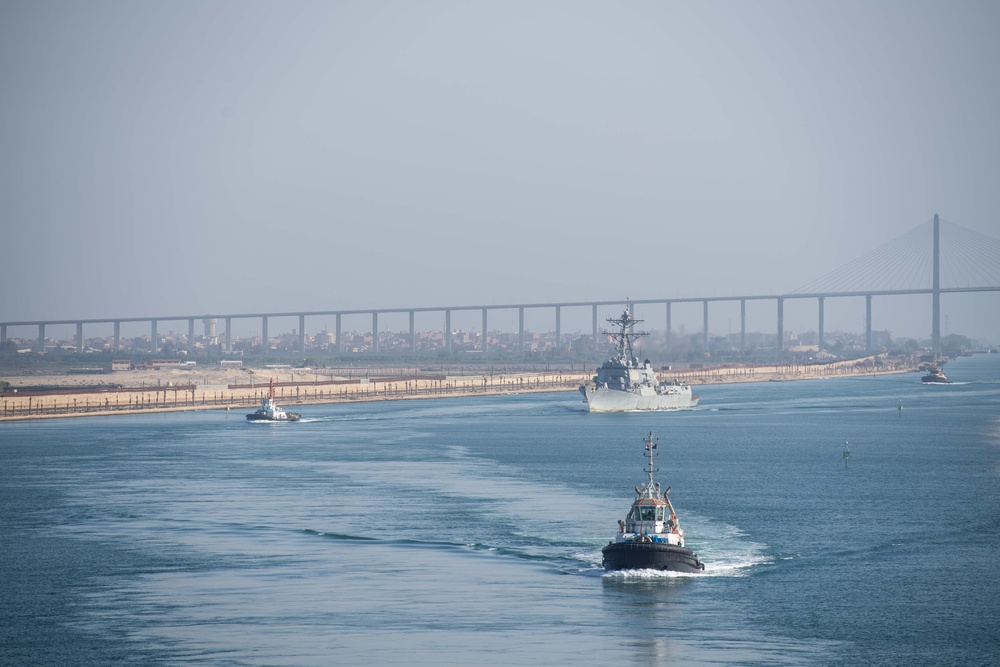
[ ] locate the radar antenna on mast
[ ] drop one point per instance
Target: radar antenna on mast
(624, 336)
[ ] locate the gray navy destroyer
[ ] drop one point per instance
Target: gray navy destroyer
(622, 383)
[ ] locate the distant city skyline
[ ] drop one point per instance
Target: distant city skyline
(359, 341)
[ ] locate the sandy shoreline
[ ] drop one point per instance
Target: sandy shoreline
(214, 388)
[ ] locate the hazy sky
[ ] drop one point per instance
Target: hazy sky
(161, 158)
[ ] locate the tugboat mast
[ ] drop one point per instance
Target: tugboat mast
(651, 488)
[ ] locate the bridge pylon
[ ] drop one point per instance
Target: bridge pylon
(936, 290)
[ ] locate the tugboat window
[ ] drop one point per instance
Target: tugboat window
(646, 513)
(659, 513)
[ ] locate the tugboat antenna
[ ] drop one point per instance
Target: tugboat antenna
(651, 443)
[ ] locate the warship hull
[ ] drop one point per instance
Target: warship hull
(602, 399)
(650, 556)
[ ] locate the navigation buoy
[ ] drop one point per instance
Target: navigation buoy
(900, 408)
(847, 453)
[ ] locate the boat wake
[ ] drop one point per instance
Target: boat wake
(477, 508)
(521, 553)
(725, 550)
(340, 536)
(646, 576)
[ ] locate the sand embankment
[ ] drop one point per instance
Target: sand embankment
(787, 372)
(174, 390)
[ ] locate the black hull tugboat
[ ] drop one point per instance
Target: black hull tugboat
(269, 411)
(935, 376)
(650, 537)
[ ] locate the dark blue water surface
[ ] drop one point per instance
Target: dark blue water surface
(468, 531)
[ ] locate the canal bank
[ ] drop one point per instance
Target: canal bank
(213, 389)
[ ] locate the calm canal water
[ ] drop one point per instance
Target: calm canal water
(468, 531)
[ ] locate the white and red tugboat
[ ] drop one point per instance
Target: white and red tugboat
(269, 411)
(650, 537)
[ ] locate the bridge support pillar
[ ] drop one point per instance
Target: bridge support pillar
(190, 343)
(3, 333)
(596, 350)
(79, 337)
(936, 294)
(704, 331)
(413, 333)
(868, 323)
(374, 333)
(447, 331)
(154, 339)
(263, 335)
(558, 328)
(302, 334)
(781, 325)
(229, 334)
(520, 330)
(668, 326)
(340, 341)
(41, 337)
(743, 325)
(819, 336)
(118, 335)
(486, 344)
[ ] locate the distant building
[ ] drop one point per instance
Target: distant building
(157, 364)
(325, 339)
(881, 339)
(120, 365)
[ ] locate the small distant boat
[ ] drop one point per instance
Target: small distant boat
(650, 537)
(935, 375)
(269, 411)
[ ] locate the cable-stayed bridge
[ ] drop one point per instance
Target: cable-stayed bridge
(935, 258)
(913, 263)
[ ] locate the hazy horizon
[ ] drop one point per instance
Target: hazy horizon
(233, 157)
